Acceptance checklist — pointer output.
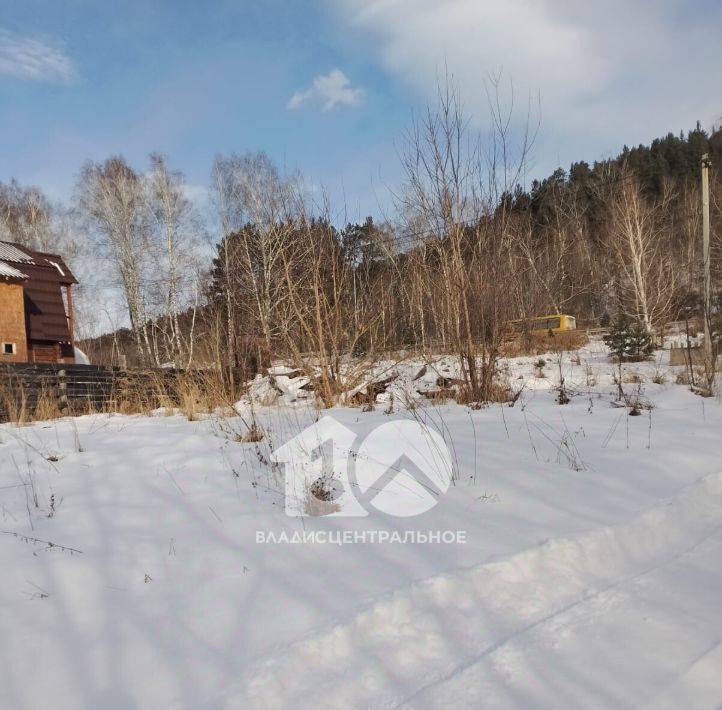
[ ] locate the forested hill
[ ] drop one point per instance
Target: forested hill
(676, 157)
(673, 160)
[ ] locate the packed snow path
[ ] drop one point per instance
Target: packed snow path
(600, 620)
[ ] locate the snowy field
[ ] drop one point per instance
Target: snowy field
(590, 575)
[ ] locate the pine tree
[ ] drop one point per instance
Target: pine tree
(629, 340)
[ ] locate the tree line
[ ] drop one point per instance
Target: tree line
(468, 249)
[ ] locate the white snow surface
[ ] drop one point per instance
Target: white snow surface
(80, 357)
(591, 576)
(407, 381)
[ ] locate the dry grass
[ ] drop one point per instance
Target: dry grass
(134, 392)
(253, 435)
(442, 396)
(202, 391)
(319, 500)
(500, 391)
(18, 407)
(14, 404)
(537, 343)
(47, 406)
(190, 398)
(195, 392)
(591, 378)
(539, 366)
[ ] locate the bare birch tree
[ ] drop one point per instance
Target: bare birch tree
(175, 229)
(110, 196)
(640, 240)
(26, 217)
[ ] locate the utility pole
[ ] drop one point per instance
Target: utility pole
(707, 293)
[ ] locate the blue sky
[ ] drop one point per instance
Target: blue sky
(328, 86)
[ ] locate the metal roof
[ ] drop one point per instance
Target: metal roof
(55, 269)
(44, 275)
(55, 264)
(9, 272)
(10, 252)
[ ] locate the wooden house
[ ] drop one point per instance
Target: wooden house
(36, 306)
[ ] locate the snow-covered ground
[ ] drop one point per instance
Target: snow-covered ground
(590, 575)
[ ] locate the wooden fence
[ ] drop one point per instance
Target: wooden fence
(690, 357)
(80, 389)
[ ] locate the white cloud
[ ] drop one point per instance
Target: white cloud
(607, 72)
(33, 58)
(330, 90)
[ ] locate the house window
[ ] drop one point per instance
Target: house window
(9, 349)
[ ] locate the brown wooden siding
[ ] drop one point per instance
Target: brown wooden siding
(50, 352)
(12, 321)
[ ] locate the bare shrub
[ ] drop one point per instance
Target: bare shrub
(633, 378)
(538, 343)
(47, 407)
(591, 377)
(539, 366)
(253, 435)
(636, 402)
(14, 403)
(499, 391)
(320, 498)
(190, 397)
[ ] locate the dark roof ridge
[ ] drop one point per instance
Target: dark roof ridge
(42, 259)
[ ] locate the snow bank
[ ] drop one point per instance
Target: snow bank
(405, 383)
(436, 632)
